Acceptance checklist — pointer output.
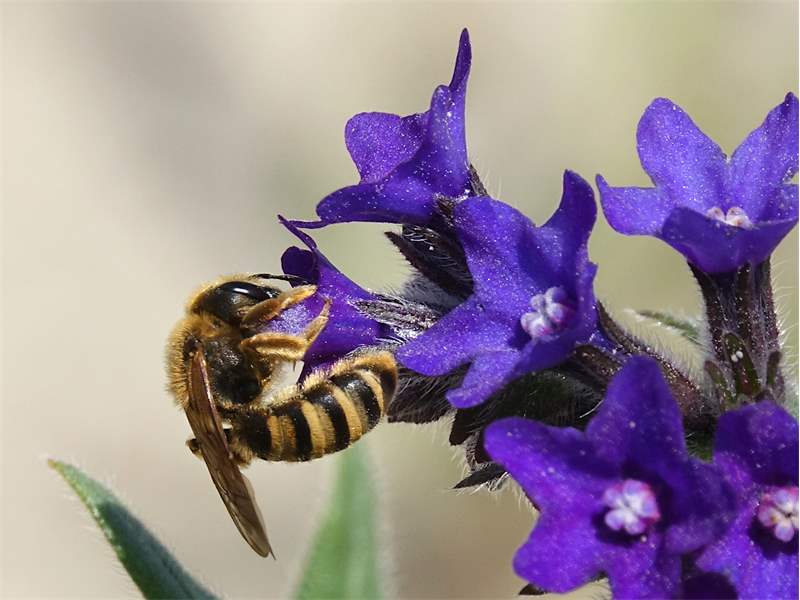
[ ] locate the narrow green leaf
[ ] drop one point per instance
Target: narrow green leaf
(150, 565)
(685, 327)
(343, 560)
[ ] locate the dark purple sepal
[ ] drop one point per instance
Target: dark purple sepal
(756, 448)
(405, 162)
(511, 260)
(637, 434)
(707, 586)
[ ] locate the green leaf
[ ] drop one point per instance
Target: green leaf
(150, 565)
(343, 560)
(685, 327)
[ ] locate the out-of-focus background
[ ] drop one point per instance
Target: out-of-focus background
(148, 147)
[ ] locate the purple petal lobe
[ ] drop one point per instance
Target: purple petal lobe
(346, 329)
(561, 554)
(487, 374)
(405, 162)
(716, 247)
(639, 426)
(628, 426)
(756, 447)
(458, 83)
(766, 160)
(625, 498)
(758, 567)
(398, 200)
(558, 468)
(464, 332)
(682, 161)
(632, 210)
(757, 444)
(532, 302)
(569, 227)
(719, 215)
(647, 573)
(379, 142)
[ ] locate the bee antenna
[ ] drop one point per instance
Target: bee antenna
(289, 278)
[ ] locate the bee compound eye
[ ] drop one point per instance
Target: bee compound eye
(250, 290)
(228, 300)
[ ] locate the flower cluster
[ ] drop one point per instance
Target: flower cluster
(626, 499)
(500, 328)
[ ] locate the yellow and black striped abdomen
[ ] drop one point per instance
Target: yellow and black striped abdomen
(328, 413)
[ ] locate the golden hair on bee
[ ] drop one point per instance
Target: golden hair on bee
(222, 361)
(331, 410)
(215, 318)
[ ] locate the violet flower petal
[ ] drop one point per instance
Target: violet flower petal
(757, 449)
(647, 573)
(758, 567)
(347, 328)
(487, 374)
(462, 333)
(406, 162)
(653, 434)
(681, 160)
(379, 142)
(633, 210)
(765, 160)
(759, 443)
(511, 261)
(563, 477)
(719, 214)
(716, 247)
(637, 434)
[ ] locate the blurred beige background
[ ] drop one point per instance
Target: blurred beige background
(148, 147)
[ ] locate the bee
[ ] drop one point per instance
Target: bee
(222, 366)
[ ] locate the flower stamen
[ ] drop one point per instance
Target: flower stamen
(552, 313)
(777, 511)
(735, 217)
(633, 507)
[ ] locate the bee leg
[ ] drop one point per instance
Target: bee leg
(241, 458)
(266, 310)
(271, 347)
(194, 447)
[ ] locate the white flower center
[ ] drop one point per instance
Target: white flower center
(777, 511)
(552, 312)
(735, 217)
(633, 507)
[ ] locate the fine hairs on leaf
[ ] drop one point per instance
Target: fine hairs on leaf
(687, 328)
(343, 561)
(152, 568)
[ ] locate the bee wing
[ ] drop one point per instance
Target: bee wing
(233, 487)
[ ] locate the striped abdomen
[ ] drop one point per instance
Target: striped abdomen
(329, 412)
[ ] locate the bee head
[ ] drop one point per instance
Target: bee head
(229, 301)
(213, 325)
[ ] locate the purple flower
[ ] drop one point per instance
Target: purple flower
(756, 449)
(719, 214)
(624, 498)
(532, 300)
(347, 328)
(404, 162)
